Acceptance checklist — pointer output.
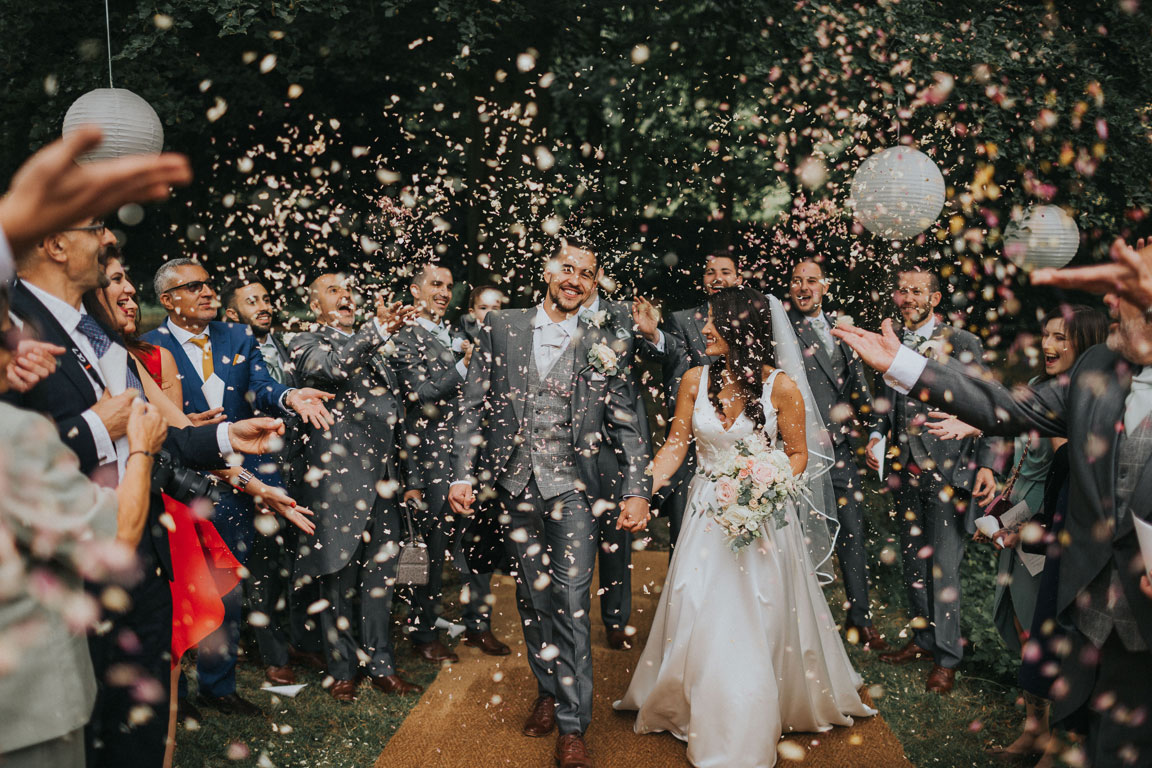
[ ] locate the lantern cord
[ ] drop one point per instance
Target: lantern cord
(108, 29)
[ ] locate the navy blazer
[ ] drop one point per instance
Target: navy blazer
(236, 359)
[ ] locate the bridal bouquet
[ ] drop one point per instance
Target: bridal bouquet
(753, 485)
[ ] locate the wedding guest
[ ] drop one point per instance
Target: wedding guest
(354, 491)
(285, 634)
(528, 377)
(431, 379)
(935, 485)
(678, 347)
(836, 377)
(1102, 408)
(480, 546)
(615, 543)
(223, 371)
(57, 527)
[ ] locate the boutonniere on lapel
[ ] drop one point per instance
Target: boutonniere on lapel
(603, 359)
(843, 320)
(595, 319)
(931, 348)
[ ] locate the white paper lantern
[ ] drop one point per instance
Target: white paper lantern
(130, 125)
(897, 193)
(1044, 236)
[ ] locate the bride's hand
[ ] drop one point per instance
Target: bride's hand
(634, 514)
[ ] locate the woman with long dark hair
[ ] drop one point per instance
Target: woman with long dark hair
(748, 632)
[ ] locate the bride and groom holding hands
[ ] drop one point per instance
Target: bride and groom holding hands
(734, 633)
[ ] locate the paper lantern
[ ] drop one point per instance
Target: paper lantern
(1044, 236)
(130, 125)
(897, 193)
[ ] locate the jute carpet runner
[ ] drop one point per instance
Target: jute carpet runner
(471, 715)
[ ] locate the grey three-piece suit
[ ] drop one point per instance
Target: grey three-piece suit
(542, 434)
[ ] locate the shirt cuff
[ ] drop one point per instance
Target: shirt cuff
(7, 260)
(105, 448)
(223, 441)
(462, 369)
(459, 482)
(659, 340)
(905, 370)
(876, 436)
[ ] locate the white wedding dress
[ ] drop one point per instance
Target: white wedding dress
(743, 647)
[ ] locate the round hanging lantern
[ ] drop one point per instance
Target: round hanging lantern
(130, 125)
(897, 193)
(1044, 236)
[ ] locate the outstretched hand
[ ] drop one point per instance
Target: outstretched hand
(256, 436)
(309, 403)
(878, 350)
(1129, 276)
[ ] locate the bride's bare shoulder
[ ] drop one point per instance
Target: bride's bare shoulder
(784, 387)
(691, 377)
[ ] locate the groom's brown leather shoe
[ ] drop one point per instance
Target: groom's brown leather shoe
(866, 637)
(619, 640)
(572, 752)
(394, 684)
(435, 651)
(543, 717)
(486, 642)
(940, 679)
(905, 655)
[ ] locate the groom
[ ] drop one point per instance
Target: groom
(544, 395)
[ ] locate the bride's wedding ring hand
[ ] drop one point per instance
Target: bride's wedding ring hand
(634, 514)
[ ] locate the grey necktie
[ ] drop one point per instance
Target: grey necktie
(822, 332)
(911, 339)
(272, 360)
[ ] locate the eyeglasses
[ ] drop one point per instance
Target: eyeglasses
(195, 286)
(99, 227)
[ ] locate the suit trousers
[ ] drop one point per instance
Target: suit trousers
(553, 546)
(427, 605)
(369, 574)
(932, 575)
(139, 643)
(850, 540)
(270, 594)
(475, 588)
(615, 548)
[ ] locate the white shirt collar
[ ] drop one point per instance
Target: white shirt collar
(925, 331)
(430, 326)
(182, 335)
(820, 317)
(569, 324)
(67, 315)
(595, 305)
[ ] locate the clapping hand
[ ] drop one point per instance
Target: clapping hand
(1129, 276)
(309, 403)
(392, 316)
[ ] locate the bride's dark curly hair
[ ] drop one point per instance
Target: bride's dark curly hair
(743, 319)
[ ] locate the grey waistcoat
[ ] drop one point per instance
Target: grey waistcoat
(1104, 606)
(547, 451)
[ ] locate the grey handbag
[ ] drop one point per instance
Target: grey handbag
(413, 564)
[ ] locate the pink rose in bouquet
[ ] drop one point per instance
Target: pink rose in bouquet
(727, 491)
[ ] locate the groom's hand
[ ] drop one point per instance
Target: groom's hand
(878, 350)
(460, 498)
(634, 514)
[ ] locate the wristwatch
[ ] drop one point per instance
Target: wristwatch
(243, 479)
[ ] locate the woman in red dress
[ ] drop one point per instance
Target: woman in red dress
(203, 568)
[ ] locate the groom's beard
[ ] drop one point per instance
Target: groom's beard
(565, 303)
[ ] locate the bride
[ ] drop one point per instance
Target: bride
(743, 646)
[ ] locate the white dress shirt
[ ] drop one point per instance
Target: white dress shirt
(550, 339)
(107, 451)
(444, 336)
(196, 356)
(909, 364)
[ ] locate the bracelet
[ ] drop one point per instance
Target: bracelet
(242, 481)
(142, 453)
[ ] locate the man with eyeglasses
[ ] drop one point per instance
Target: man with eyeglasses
(224, 376)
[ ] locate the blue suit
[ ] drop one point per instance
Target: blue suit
(236, 359)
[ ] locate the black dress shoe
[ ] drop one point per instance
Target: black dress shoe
(230, 704)
(186, 710)
(619, 640)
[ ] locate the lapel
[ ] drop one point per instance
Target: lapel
(222, 352)
(698, 319)
(519, 347)
(585, 337)
(815, 347)
(26, 303)
(190, 383)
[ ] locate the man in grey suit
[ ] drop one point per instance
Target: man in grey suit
(351, 484)
(937, 487)
(615, 319)
(432, 379)
(678, 347)
(1104, 408)
(836, 377)
(544, 395)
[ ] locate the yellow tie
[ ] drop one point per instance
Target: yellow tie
(206, 363)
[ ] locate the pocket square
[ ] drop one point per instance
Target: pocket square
(237, 359)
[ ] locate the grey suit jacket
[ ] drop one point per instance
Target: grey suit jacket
(354, 462)
(492, 408)
(957, 461)
(1086, 406)
(51, 688)
(431, 391)
(624, 341)
(683, 348)
(830, 389)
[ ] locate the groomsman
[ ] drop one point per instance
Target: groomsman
(836, 377)
(615, 319)
(542, 397)
(938, 487)
(1103, 408)
(353, 496)
(289, 634)
(479, 547)
(224, 376)
(432, 378)
(678, 347)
